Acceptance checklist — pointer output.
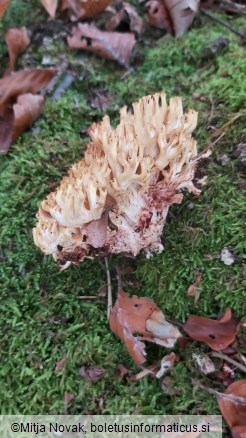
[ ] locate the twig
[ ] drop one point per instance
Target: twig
(110, 301)
(233, 398)
(87, 297)
(223, 23)
(228, 359)
(119, 279)
(63, 86)
(210, 146)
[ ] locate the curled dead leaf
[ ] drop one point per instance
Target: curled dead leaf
(24, 81)
(233, 412)
(50, 6)
(111, 45)
(131, 315)
(192, 289)
(17, 41)
(92, 373)
(127, 15)
(3, 6)
(167, 363)
(82, 9)
(60, 364)
(172, 15)
(182, 13)
(158, 15)
(27, 109)
(218, 334)
(7, 118)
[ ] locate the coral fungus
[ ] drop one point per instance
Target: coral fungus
(117, 197)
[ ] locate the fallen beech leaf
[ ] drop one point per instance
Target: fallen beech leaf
(24, 81)
(182, 13)
(3, 6)
(176, 15)
(127, 15)
(6, 128)
(60, 364)
(50, 6)
(218, 334)
(92, 373)
(81, 9)
(132, 315)
(27, 109)
(110, 45)
(192, 289)
(167, 363)
(158, 15)
(235, 413)
(17, 41)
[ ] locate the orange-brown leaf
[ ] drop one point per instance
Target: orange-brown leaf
(218, 334)
(82, 9)
(6, 128)
(60, 364)
(132, 315)
(17, 41)
(235, 413)
(50, 6)
(3, 6)
(27, 109)
(192, 289)
(110, 45)
(182, 13)
(158, 15)
(22, 82)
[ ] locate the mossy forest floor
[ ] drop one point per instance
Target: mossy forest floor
(42, 318)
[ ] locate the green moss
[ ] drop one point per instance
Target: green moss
(42, 316)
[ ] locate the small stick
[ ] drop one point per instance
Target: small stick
(87, 297)
(110, 301)
(210, 146)
(231, 397)
(223, 23)
(228, 359)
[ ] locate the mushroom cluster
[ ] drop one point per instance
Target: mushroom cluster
(116, 199)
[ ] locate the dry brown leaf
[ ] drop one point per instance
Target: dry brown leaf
(82, 9)
(110, 45)
(27, 109)
(235, 413)
(167, 363)
(22, 82)
(218, 334)
(127, 15)
(182, 13)
(158, 15)
(132, 315)
(17, 41)
(193, 289)
(18, 118)
(50, 6)
(172, 15)
(60, 364)
(92, 373)
(3, 6)
(6, 128)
